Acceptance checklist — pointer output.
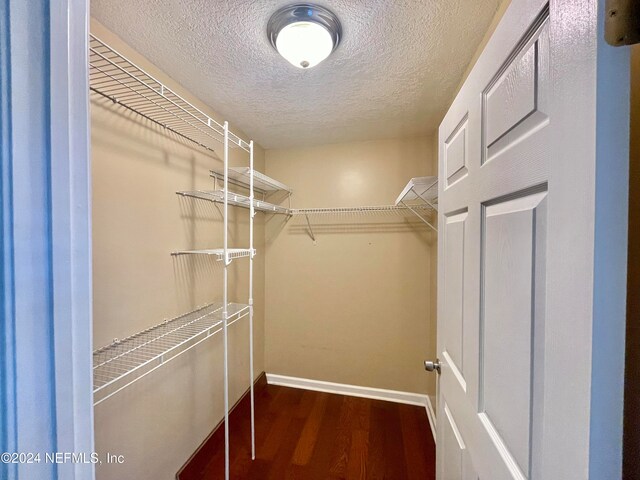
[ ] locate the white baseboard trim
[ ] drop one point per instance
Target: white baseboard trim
(431, 415)
(357, 391)
(351, 390)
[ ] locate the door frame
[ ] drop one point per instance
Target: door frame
(612, 132)
(45, 222)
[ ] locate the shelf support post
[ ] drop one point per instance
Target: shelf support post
(225, 301)
(251, 255)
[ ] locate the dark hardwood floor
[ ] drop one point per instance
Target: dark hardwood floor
(306, 435)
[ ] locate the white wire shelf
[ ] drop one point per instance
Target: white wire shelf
(261, 183)
(419, 210)
(352, 210)
(420, 188)
(217, 252)
(236, 199)
(120, 80)
(126, 361)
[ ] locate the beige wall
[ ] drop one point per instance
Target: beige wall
(357, 307)
(138, 220)
(483, 43)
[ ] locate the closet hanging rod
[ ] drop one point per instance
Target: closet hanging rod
(126, 361)
(120, 80)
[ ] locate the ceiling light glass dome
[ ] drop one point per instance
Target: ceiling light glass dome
(304, 34)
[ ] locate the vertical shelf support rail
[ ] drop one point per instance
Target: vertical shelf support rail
(225, 301)
(251, 255)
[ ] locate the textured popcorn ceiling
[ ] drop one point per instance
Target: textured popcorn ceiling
(393, 74)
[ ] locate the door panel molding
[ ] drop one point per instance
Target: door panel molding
(456, 148)
(453, 287)
(515, 100)
(512, 270)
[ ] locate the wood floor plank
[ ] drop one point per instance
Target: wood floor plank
(377, 454)
(285, 453)
(306, 435)
(340, 455)
(414, 435)
(395, 467)
(259, 470)
(296, 472)
(318, 465)
(358, 455)
(309, 436)
(359, 450)
(279, 430)
(362, 413)
(307, 402)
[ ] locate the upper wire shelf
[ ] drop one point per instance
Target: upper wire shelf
(423, 189)
(120, 80)
(240, 176)
(420, 193)
(126, 361)
(237, 200)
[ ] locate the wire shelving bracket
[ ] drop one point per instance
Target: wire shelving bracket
(419, 194)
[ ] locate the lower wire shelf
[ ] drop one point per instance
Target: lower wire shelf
(126, 361)
(217, 252)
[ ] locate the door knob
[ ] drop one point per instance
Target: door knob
(431, 366)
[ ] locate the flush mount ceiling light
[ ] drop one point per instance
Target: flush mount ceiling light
(304, 34)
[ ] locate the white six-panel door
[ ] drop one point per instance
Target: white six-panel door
(518, 151)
